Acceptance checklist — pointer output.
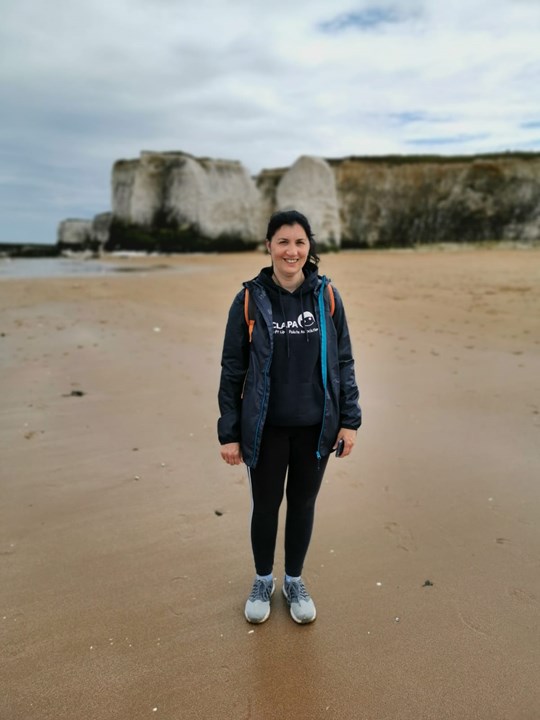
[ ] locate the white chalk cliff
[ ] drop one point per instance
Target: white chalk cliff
(219, 197)
(173, 201)
(215, 196)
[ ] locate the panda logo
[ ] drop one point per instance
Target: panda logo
(307, 320)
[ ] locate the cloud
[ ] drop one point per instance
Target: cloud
(82, 84)
(449, 140)
(366, 19)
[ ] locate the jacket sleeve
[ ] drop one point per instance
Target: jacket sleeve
(234, 365)
(350, 412)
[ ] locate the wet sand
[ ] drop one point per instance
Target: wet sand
(124, 549)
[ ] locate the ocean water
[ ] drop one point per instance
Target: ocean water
(21, 268)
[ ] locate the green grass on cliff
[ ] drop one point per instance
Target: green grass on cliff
(440, 159)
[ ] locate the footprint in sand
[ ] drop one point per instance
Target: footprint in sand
(405, 537)
(180, 590)
(472, 623)
(523, 596)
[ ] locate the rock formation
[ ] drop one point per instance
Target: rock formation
(407, 201)
(75, 233)
(310, 187)
(178, 189)
(176, 202)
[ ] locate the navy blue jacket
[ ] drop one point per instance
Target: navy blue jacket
(245, 371)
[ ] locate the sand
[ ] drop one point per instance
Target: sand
(124, 551)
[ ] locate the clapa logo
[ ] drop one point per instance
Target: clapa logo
(307, 320)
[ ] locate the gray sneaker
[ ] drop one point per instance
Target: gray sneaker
(258, 603)
(301, 605)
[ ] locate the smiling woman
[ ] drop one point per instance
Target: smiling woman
(289, 247)
(287, 397)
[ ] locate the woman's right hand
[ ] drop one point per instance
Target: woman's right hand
(231, 453)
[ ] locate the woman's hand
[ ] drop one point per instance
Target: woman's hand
(231, 453)
(349, 438)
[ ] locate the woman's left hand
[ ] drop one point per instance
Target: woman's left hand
(349, 438)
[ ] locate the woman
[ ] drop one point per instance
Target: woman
(287, 396)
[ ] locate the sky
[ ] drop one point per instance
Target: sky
(83, 84)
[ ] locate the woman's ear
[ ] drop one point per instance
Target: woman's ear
(267, 243)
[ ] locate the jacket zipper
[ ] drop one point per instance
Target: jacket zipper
(324, 369)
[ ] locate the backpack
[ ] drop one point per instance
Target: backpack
(249, 311)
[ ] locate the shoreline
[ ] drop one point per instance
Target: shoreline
(42, 251)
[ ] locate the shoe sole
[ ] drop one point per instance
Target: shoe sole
(297, 620)
(265, 618)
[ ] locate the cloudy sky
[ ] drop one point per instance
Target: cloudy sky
(85, 83)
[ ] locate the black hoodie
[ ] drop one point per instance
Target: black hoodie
(296, 392)
(244, 387)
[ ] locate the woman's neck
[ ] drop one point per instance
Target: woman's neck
(290, 284)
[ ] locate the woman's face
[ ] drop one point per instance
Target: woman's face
(289, 249)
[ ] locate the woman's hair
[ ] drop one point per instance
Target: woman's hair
(292, 217)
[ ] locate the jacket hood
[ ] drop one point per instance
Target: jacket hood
(311, 278)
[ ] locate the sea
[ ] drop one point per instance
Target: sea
(29, 268)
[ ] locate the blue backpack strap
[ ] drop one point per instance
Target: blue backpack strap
(322, 314)
(324, 361)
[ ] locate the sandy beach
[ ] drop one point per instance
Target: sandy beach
(124, 538)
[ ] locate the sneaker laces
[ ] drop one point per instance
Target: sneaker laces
(261, 590)
(296, 590)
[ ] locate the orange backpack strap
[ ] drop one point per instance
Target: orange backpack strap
(332, 299)
(250, 321)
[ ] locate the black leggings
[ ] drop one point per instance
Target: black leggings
(283, 448)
